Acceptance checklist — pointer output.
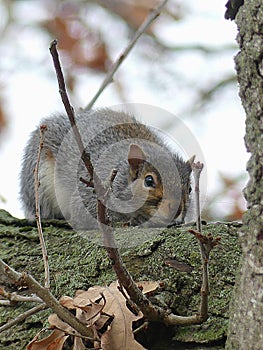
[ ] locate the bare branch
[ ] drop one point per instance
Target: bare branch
(197, 169)
(23, 316)
(150, 311)
(206, 243)
(69, 109)
(38, 218)
(143, 27)
(15, 298)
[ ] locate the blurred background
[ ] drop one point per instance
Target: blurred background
(183, 64)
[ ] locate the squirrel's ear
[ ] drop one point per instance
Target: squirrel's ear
(136, 157)
(190, 161)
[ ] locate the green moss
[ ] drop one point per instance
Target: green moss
(213, 330)
(77, 261)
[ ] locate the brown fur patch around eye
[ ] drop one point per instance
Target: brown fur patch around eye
(154, 198)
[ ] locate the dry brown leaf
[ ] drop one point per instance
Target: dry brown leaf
(93, 293)
(100, 323)
(67, 302)
(148, 286)
(54, 341)
(56, 322)
(89, 314)
(98, 58)
(133, 12)
(86, 310)
(57, 338)
(89, 306)
(2, 118)
(119, 336)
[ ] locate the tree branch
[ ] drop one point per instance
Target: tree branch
(143, 27)
(69, 109)
(42, 130)
(206, 243)
(23, 316)
(16, 298)
(197, 169)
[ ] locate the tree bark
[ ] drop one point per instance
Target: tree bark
(78, 261)
(246, 321)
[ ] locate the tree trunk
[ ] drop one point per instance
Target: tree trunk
(246, 321)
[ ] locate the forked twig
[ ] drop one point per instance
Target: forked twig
(24, 279)
(13, 297)
(206, 243)
(42, 130)
(150, 311)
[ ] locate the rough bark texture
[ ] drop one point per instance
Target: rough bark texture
(246, 322)
(76, 262)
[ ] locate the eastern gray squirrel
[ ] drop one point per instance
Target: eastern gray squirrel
(151, 185)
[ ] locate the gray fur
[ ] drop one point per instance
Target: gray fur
(107, 135)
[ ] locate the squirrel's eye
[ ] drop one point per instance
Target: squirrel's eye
(149, 181)
(190, 189)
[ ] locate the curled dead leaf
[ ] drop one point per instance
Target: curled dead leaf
(67, 302)
(104, 311)
(54, 341)
(56, 322)
(148, 286)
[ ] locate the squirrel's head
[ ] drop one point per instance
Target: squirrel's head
(162, 190)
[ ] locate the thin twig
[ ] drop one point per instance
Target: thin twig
(23, 316)
(16, 298)
(141, 328)
(143, 27)
(69, 109)
(197, 169)
(38, 218)
(73, 334)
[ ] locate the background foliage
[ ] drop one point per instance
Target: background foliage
(176, 65)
